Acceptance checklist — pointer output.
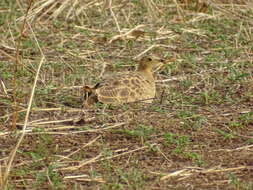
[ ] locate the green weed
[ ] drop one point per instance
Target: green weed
(226, 135)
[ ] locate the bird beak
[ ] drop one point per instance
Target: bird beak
(163, 62)
(159, 64)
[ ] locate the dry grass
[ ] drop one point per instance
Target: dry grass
(198, 133)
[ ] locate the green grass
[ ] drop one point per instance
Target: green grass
(143, 132)
(132, 179)
(181, 147)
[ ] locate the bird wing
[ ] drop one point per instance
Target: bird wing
(124, 88)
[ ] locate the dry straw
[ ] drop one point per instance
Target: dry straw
(5, 175)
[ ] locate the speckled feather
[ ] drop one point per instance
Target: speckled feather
(128, 86)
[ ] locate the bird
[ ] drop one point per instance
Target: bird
(126, 87)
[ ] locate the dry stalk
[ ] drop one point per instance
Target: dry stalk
(1, 176)
(232, 150)
(17, 66)
(91, 29)
(71, 110)
(152, 9)
(48, 130)
(187, 172)
(85, 145)
(126, 34)
(216, 183)
(26, 163)
(233, 14)
(180, 11)
(146, 50)
(200, 17)
(166, 158)
(14, 151)
(48, 178)
(72, 168)
(85, 177)
(3, 87)
(54, 121)
(61, 8)
(171, 79)
(113, 15)
(99, 157)
(54, 8)
(8, 55)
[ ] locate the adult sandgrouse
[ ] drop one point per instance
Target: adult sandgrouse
(126, 87)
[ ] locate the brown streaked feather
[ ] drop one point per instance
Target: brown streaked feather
(128, 87)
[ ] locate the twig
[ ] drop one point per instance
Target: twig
(3, 86)
(236, 149)
(145, 51)
(171, 79)
(84, 178)
(180, 11)
(11, 57)
(126, 34)
(48, 178)
(166, 158)
(83, 163)
(113, 15)
(1, 176)
(13, 153)
(48, 130)
(190, 171)
(97, 158)
(87, 144)
(16, 68)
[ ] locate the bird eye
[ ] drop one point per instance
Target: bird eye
(149, 59)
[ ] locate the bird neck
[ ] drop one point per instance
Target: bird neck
(147, 73)
(144, 68)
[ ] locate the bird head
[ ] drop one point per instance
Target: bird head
(148, 63)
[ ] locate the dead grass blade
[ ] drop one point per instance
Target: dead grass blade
(200, 17)
(131, 34)
(84, 178)
(114, 16)
(61, 8)
(100, 157)
(14, 151)
(4, 89)
(53, 130)
(146, 50)
(8, 55)
(236, 149)
(76, 151)
(235, 14)
(153, 10)
(187, 172)
(51, 9)
(180, 11)
(1, 177)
